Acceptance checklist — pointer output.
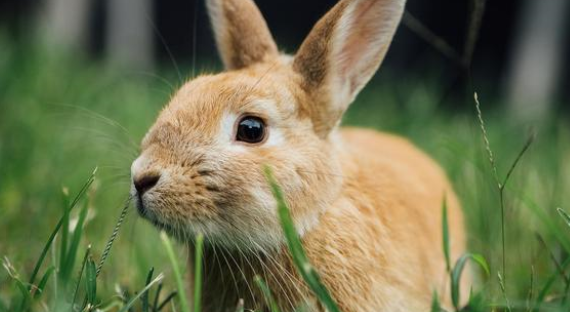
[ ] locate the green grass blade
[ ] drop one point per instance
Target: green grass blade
(43, 282)
(166, 301)
(480, 260)
(91, 282)
(435, 305)
(134, 299)
(475, 303)
(64, 233)
(78, 283)
(198, 272)
(445, 231)
(273, 307)
(177, 274)
(27, 298)
(144, 298)
(69, 262)
(57, 228)
(306, 270)
(458, 270)
(157, 297)
(455, 280)
(564, 215)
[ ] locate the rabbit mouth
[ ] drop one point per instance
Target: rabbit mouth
(140, 206)
(144, 211)
(161, 225)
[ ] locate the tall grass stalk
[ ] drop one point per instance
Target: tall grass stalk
(177, 273)
(113, 236)
(500, 184)
(198, 272)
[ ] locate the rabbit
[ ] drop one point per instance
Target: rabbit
(366, 205)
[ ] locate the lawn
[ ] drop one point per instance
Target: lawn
(63, 116)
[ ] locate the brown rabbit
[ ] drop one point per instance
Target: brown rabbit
(367, 205)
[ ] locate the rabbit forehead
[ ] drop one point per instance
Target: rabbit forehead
(209, 106)
(205, 101)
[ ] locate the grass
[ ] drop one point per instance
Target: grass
(63, 116)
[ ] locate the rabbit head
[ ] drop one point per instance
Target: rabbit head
(201, 168)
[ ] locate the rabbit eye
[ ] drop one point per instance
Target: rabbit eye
(250, 129)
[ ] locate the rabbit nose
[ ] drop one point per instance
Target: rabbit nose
(145, 182)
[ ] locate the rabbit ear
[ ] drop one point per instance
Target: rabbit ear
(342, 53)
(242, 36)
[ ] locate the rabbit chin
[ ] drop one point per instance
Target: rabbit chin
(251, 239)
(254, 236)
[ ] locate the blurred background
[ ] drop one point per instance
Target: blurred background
(82, 80)
(517, 52)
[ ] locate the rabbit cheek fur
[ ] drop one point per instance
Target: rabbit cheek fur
(367, 205)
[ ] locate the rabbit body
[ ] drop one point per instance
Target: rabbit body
(366, 205)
